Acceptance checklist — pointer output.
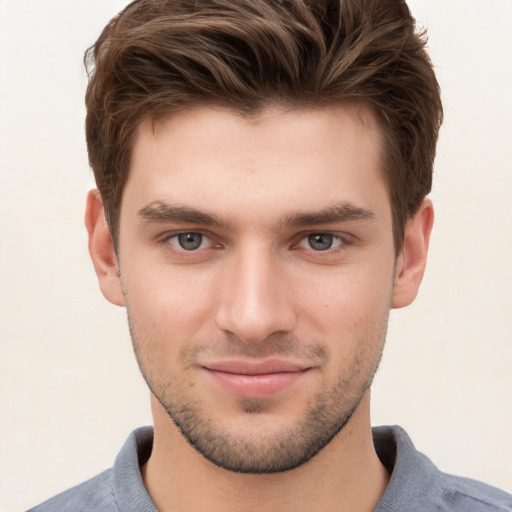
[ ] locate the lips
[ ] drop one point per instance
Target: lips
(255, 379)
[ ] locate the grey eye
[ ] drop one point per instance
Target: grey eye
(320, 241)
(190, 241)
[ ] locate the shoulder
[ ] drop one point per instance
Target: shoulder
(417, 484)
(467, 494)
(95, 494)
(115, 490)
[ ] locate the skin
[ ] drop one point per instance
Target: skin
(259, 340)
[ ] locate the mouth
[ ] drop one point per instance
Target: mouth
(256, 379)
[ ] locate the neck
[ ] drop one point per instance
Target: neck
(345, 475)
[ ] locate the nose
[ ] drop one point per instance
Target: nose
(255, 299)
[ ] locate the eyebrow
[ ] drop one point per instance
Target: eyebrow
(344, 212)
(159, 211)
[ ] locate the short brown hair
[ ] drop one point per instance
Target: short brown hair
(160, 56)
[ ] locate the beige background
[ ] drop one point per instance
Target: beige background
(69, 388)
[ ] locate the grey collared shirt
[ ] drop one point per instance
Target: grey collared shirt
(415, 485)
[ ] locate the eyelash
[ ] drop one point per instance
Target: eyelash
(336, 242)
(167, 241)
(340, 241)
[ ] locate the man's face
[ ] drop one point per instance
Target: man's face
(257, 266)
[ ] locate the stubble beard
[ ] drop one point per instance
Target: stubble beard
(250, 454)
(327, 412)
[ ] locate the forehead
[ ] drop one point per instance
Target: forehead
(281, 159)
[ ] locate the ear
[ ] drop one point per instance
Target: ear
(101, 249)
(410, 265)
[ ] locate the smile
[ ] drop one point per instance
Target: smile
(256, 379)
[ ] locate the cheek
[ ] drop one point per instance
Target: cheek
(349, 299)
(164, 301)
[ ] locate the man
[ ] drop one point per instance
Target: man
(262, 169)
